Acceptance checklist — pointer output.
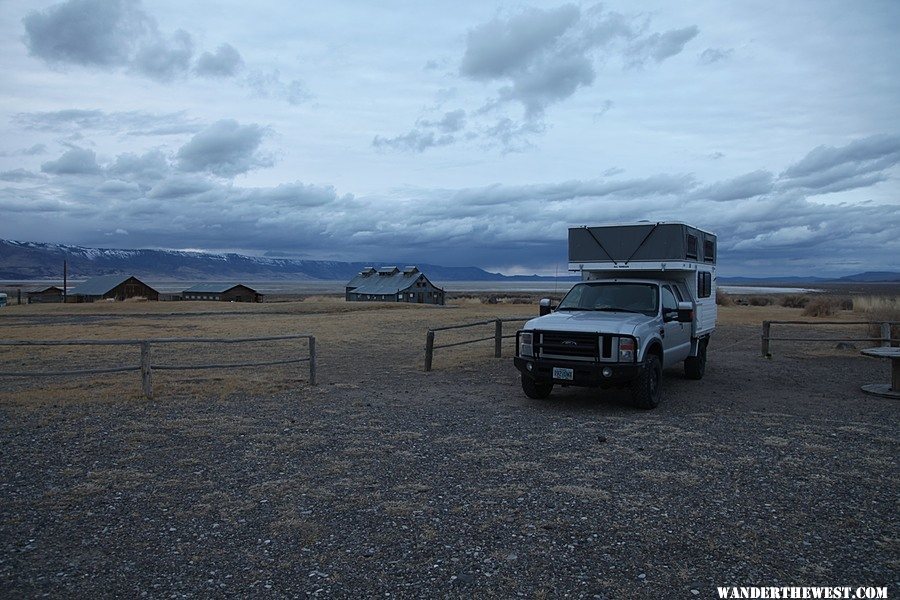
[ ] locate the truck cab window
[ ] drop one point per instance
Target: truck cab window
(668, 300)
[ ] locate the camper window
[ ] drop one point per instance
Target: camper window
(691, 246)
(704, 284)
(709, 251)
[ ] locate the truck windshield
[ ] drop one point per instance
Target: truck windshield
(613, 297)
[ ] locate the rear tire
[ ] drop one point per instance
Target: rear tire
(695, 366)
(646, 389)
(536, 390)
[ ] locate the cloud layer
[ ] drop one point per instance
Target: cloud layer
(776, 221)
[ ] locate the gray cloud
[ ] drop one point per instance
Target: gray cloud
(416, 140)
(99, 33)
(77, 161)
(180, 186)
(134, 122)
(225, 148)
(270, 85)
(149, 167)
(713, 55)
(746, 186)
(226, 62)
(113, 34)
(858, 164)
(501, 48)
(16, 175)
(660, 46)
(165, 59)
(538, 58)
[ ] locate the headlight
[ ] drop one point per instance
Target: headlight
(626, 350)
(525, 347)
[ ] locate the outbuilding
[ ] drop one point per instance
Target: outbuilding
(116, 287)
(391, 284)
(45, 295)
(228, 292)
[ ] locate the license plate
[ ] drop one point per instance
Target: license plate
(560, 373)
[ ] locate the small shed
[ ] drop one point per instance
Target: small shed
(117, 287)
(227, 292)
(391, 284)
(45, 295)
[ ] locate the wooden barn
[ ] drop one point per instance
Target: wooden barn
(228, 292)
(45, 295)
(117, 287)
(390, 284)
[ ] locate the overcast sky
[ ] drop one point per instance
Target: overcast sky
(464, 133)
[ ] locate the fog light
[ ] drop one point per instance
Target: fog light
(529, 366)
(607, 372)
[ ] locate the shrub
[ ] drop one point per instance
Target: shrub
(795, 301)
(760, 300)
(820, 307)
(723, 299)
(846, 303)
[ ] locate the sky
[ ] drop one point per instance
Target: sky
(464, 134)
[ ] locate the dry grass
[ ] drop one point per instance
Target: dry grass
(820, 307)
(879, 308)
(344, 331)
(723, 299)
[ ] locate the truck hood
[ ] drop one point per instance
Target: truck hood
(589, 321)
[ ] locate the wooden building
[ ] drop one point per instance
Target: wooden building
(45, 295)
(117, 287)
(229, 292)
(390, 284)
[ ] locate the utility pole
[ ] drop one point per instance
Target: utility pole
(65, 281)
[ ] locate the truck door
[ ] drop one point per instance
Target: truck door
(677, 341)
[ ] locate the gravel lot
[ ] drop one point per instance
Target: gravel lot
(387, 481)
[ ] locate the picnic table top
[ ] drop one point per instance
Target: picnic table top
(882, 352)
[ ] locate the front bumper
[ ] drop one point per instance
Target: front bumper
(586, 374)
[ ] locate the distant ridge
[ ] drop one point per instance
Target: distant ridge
(36, 260)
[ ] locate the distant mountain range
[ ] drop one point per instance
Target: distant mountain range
(34, 260)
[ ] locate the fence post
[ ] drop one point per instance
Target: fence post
(429, 349)
(765, 339)
(498, 338)
(885, 334)
(312, 360)
(146, 381)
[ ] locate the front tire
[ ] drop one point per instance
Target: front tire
(695, 366)
(536, 390)
(646, 389)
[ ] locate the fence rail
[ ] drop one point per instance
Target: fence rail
(498, 337)
(885, 338)
(146, 367)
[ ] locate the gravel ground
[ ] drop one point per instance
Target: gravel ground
(386, 481)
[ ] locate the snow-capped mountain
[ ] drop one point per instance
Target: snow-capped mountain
(34, 260)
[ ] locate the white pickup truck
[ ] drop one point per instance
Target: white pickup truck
(647, 301)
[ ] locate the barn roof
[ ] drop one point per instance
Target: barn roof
(216, 288)
(42, 289)
(388, 280)
(100, 285)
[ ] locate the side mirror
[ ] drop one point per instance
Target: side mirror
(685, 312)
(545, 307)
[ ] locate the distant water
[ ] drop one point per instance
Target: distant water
(749, 289)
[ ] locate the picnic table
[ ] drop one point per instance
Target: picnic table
(892, 389)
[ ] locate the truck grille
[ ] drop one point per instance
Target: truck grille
(567, 345)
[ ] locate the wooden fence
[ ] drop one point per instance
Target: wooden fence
(885, 337)
(497, 336)
(145, 366)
